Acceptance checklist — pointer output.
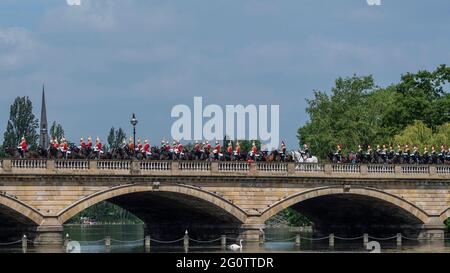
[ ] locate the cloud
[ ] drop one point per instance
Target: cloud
(17, 48)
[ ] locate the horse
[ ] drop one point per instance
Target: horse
(303, 158)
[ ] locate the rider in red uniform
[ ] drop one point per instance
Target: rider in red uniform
(23, 146)
(55, 144)
(146, 146)
(208, 147)
(217, 150)
(180, 147)
(197, 146)
(99, 144)
(82, 144)
(89, 143)
(230, 149)
(238, 148)
(131, 145)
(139, 146)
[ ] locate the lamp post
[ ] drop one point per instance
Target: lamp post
(133, 122)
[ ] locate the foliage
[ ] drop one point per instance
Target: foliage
(419, 134)
(56, 131)
(2, 152)
(116, 137)
(246, 145)
(359, 113)
(106, 212)
(22, 122)
(294, 218)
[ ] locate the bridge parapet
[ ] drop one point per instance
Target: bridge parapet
(222, 168)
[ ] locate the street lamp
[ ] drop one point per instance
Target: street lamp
(133, 122)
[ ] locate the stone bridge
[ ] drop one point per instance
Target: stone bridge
(38, 196)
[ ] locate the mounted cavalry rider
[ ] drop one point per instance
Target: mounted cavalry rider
(64, 147)
(23, 147)
(426, 155)
(131, 145)
(434, 154)
(230, 150)
(254, 151)
(82, 144)
(237, 152)
(442, 154)
(207, 147)
(89, 143)
(139, 146)
(98, 147)
(147, 152)
(338, 153)
(217, 150)
(283, 150)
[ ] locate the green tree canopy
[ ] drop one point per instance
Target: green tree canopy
(56, 131)
(358, 112)
(22, 122)
(116, 137)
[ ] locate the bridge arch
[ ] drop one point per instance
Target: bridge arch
(22, 209)
(277, 207)
(213, 199)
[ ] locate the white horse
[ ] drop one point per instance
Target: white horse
(302, 158)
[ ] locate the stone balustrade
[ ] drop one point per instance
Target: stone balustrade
(221, 168)
(195, 166)
(234, 166)
(72, 165)
(155, 165)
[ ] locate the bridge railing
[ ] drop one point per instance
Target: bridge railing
(232, 166)
(114, 165)
(278, 167)
(196, 166)
(155, 165)
(224, 168)
(72, 164)
(345, 168)
(309, 168)
(443, 169)
(29, 163)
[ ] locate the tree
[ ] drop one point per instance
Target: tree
(22, 122)
(347, 116)
(116, 137)
(56, 131)
(423, 97)
(416, 134)
(246, 145)
(419, 134)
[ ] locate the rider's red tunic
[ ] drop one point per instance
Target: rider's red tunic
(254, 150)
(218, 148)
(65, 147)
(180, 147)
(83, 145)
(132, 146)
(89, 144)
(140, 147)
(197, 147)
(99, 146)
(23, 145)
(238, 149)
(147, 148)
(230, 149)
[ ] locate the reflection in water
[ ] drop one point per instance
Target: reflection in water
(130, 239)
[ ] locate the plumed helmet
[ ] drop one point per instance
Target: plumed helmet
(146, 141)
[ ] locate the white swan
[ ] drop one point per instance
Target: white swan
(235, 247)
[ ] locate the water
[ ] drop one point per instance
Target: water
(129, 239)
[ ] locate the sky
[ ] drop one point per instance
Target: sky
(105, 59)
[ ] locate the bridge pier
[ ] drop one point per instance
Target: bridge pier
(252, 229)
(49, 233)
(433, 230)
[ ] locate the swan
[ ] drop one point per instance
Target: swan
(235, 247)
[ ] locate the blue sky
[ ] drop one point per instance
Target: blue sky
(105, 59)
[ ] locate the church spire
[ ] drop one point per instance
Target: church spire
(43, 139)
